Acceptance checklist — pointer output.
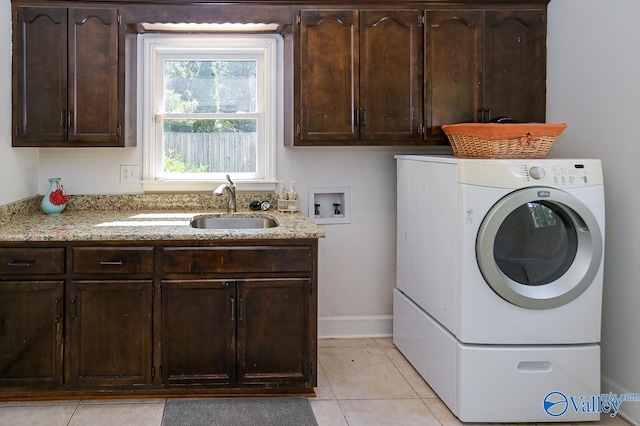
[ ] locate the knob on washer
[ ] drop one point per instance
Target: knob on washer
(536, 172)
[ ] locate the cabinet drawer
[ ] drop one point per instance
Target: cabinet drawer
(113, 260)
(31, 260)
(195, 260)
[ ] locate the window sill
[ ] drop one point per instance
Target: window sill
(150, 186)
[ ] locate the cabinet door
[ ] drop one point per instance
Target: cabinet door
(94, 76)
(68, 77)
(515, 64)
(198, 332)
(110, 333)
(328, 79)
(390, 75)
(39, 74)
(274, 331)
(31, 333)
(453, 65)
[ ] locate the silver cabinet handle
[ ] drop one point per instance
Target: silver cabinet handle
(111, 263)
(21, 263)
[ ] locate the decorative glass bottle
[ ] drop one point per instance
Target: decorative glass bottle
(281, 193)
(54, 201)
(292, 198)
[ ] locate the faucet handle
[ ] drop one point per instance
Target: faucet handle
(230, 181)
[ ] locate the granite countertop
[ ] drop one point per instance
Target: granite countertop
(141, 218)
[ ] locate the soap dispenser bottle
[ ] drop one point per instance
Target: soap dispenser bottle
(281, 194)
(292, 197)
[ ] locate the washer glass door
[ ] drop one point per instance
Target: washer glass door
(539, 248)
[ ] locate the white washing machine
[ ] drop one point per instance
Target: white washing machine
(500, 262)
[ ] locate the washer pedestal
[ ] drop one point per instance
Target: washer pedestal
(499, 383)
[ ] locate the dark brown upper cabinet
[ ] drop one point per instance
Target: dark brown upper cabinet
(484, 64)
(359, 78)
(515, 64)
(68, 77)
(356, 74)
(453, 68)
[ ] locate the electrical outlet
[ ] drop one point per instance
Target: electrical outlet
(129, 174)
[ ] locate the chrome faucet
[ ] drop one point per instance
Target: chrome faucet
(231, 189)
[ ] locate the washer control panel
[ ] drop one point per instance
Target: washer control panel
(516, 173)
(570, 176)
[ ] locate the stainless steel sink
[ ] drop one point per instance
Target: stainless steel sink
(224, 222)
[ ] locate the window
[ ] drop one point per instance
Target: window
(542, 215)
(210, 108)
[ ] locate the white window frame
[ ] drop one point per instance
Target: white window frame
(154, 47)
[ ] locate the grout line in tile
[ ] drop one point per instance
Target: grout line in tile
(415, 392)
(344, 415)
(164, 410)
(75, 410)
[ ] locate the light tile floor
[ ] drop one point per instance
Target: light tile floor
(361, 382)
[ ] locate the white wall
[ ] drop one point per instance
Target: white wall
(88, 170)
(18, 167)
(594, 86)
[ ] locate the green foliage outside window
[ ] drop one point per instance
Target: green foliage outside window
(223, 86)
(173, 163)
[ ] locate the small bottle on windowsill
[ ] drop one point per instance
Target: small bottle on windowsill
(281, 194)
(292, 197)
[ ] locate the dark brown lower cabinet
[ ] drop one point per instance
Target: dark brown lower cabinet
(31, 326)
(110, 325)
(108, 318)
(198, 332)
(157, 318)
(272, 323)
(226, 331)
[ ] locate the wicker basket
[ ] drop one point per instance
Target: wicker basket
(493, 140)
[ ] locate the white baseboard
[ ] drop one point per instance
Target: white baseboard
(355, 326)
(630, 411)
